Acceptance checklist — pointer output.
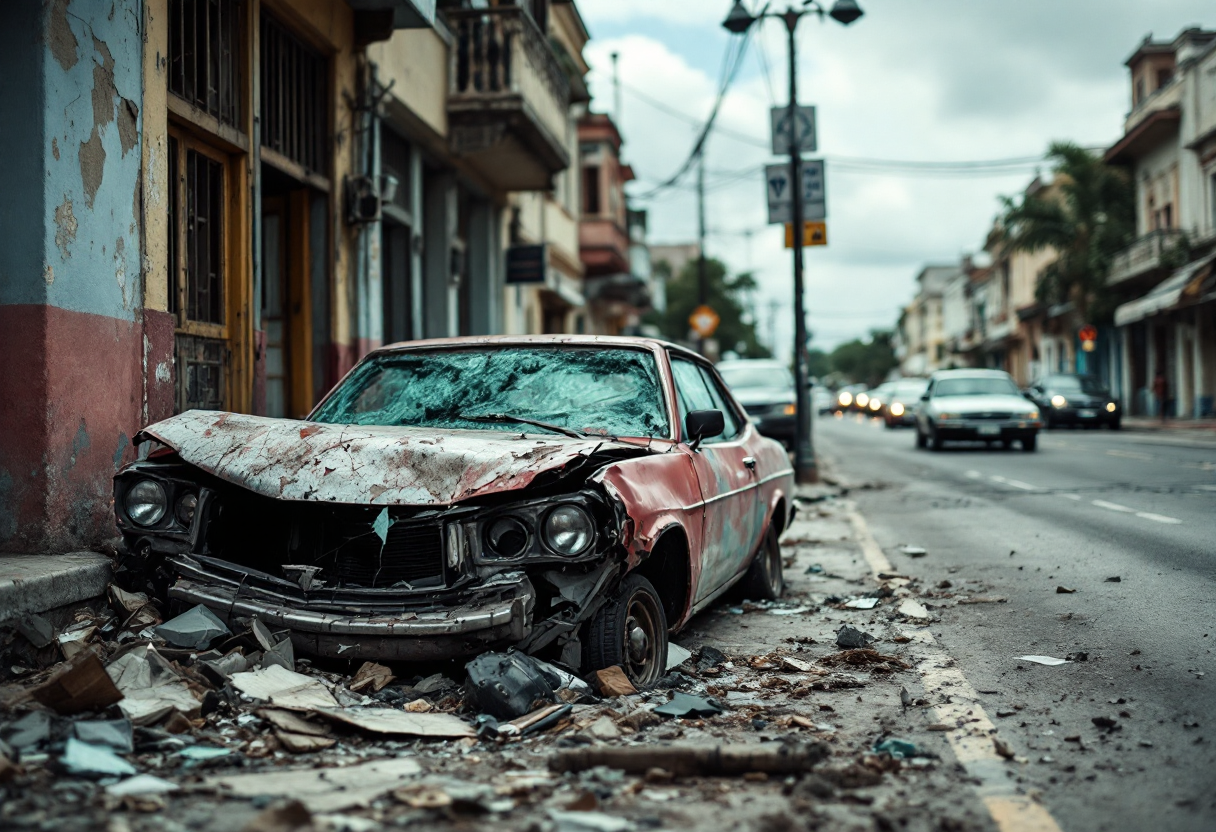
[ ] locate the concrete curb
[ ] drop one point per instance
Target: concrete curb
(40, 583)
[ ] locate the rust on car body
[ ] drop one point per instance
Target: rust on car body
(379, 540)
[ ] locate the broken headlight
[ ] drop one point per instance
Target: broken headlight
(187, 504)
(568, 530)
(508, 537)
(146, 502)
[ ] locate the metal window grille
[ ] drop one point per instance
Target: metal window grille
(295, 83)
(200, 373)
(204, 55)
(174, 229)
(204, 239)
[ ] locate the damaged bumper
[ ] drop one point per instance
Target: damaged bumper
(384, 625)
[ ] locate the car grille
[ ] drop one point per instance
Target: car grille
(986, 414)
(412, 553)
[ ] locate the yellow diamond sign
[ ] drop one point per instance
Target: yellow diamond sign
(704, 321)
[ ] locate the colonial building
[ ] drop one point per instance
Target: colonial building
(1167, 322)
(921, 336)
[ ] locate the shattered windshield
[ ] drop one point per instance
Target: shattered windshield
(613, 391)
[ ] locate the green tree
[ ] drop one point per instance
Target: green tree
(725, 295)
(818, 363)
(866, 362)
(1086, 220)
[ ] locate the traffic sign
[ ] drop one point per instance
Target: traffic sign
(704, 321)
(814, 233)
(780, 198)
(802, 126)
(1089, 332)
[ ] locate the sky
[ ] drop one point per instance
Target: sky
(912, 80)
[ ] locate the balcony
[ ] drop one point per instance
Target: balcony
(1147, 256)
(508, 99)
(603, 246)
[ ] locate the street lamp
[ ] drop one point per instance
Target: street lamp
(737, 22)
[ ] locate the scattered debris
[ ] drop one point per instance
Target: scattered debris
(791, 663)
(79, 686)
(284, 688)
(391, 721)
(587, 821)
(686, 705)
(850, 638)
(1003, 748)
(612, 681)
(151, 687)
(193, 630)
(862, 603)
(1114, 579)
(91, 760)
(899, 749)
(693, 761)
(371, 675)
(1049, 661)
(861, 657)
(508, 685)
(1079, 656)
(112, 733)
(914, 551)
(36, 629)
(141, 784)
(324, 789)
(676, 655)
(913, 609)
(1106, 723)
(983, 599)
(1063, 590)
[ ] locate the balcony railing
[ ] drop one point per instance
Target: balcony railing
(507, 93)
(1147, 254)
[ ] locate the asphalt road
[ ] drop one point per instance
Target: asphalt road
(1088, 506)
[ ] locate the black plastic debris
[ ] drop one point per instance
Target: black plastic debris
(709, 657)
(508, 685)
(193, 630)
(1079, 656)
(36, 629)
(111, 733)
(1114, 579)
(851, 638)
(1106, 723)
(690, 707)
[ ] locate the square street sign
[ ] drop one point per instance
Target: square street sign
(780, 200)
(803, 125)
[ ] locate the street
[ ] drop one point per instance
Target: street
(1086, 508)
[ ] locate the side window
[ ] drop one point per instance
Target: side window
(721, 402)
(690, 389)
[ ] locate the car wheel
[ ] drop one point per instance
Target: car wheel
(935, 441)
(764, 580)
(630, 631)
(1007, 443)
(1117, 424)
(1029, 443)
(920, 438)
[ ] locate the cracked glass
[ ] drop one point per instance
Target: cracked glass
(598, 391)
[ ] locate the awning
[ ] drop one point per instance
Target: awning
(1166, 294)
(405, 14)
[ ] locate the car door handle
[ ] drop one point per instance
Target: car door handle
(749, 462)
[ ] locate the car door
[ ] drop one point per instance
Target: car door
(726, 475)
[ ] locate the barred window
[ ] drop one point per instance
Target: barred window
(295, 85)
(205, 54)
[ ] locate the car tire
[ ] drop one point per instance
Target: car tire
(935, 441)
(630, 631)
(1030, 443)
(921, 442)
(1117, 424)
(764, 580)
(1007, 444)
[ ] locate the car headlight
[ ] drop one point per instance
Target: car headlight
(875, 404)
(507, 537)
(897, 409)
(846, 399)
(1032, 415)
(146, 502)
(1111, 407)
(947, 416)
(789, 410)
(568, 530)
(187, 504)
(1058, 401)
(862, 399)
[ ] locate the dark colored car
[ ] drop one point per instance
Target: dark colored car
(766, 391)
(573, 497)
(902, 401)
(975, 405)
(1067, 399)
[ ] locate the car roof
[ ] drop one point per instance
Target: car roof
(753, 362)
(606, 341)
(970, 373)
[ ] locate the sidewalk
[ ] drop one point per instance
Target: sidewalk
(1196, 426)
(41, 583)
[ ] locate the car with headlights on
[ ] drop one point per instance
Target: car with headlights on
(765, 388)
(975, 405)
(573, 497)
(902, 401)
(852, 398)
(1069, 399)
(878, 398)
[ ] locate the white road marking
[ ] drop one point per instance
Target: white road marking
(1129, 454)
(1071, 496)
(1025, 486)
(1113, 506)
(1160, 518)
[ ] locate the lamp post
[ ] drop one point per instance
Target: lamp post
(737, 22)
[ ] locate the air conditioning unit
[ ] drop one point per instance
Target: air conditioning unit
(362, 199)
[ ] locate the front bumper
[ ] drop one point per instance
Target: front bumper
(381, 625)
(987, 431)
(1083, 416)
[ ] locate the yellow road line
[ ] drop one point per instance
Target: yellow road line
(973, 740)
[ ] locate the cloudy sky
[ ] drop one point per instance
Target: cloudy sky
(913, 80)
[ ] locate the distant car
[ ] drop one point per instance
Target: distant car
(765, 388)
(878, 398)
(822, 400)
(851, 398)
(1066, 399)
(976, 405)
(902, 401)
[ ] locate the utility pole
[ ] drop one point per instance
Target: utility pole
(702, 272)
(616, 90)
(805, 468)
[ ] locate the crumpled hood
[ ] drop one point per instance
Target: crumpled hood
(364, 464)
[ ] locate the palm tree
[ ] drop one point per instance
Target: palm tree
(1086, 217)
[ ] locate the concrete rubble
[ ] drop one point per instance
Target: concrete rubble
(788, 714)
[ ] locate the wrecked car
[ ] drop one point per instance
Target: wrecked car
(575, 497)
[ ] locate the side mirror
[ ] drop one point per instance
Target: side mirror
(703, 424)
(925, 398)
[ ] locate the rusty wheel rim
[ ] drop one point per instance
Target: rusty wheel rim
(642, 645)
(776, 580)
